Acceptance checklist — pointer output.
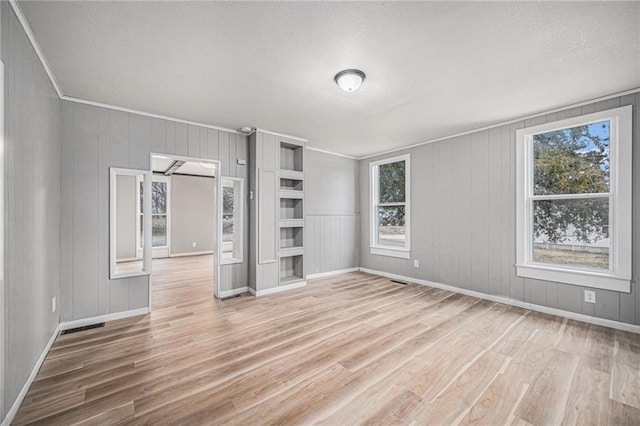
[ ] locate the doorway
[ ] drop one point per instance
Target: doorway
(186, 222)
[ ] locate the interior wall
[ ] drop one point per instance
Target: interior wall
(93, 140)
(463, 219)
(332, 212)
(32, 206)
(192, 214)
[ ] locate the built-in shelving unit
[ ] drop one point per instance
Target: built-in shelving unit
(291, 216)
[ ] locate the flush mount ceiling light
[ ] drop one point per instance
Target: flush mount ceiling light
(208, 165)
(349, 80)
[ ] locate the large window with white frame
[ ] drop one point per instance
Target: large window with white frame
(390, 205)
(574, 200)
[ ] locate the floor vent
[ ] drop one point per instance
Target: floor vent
(86, 327)
(399, 282)
(230, 297)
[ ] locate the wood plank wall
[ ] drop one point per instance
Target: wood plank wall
(93, 140)
(463, 219)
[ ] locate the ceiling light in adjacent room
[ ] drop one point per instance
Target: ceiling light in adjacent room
(349, 80)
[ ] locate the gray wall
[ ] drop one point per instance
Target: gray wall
(32, 206)
(126, 215)
(192, 214)
(332, 210)
(94, 139)
(463, 219)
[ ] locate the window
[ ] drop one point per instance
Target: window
(390, 207)
(574, 200)
(232, 219)
(159, 216)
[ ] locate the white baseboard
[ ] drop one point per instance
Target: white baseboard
(277, 289)
(331, 273)
(195, 253)
(11, 414)
(233, 292)
(500, 299)
(102, 318)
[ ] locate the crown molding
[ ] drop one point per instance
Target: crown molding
(332, 153)
(515, 120)
(284, 135)
(147, 114)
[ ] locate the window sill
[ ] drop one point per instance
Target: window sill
(401, 253)
(597, 280)
(230, 261)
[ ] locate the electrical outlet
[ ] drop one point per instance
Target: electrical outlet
(194, 244)
(416, 263)
(53, 304)
(590, 296)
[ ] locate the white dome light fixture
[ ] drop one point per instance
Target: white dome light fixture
(349, 80)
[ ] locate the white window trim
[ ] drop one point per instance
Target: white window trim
(374, 247)
(619, 277)
(239, 212)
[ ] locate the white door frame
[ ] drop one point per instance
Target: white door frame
(218, 217)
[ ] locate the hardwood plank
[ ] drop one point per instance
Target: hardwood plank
(348, 349)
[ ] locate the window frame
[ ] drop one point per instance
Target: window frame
(239, 219)
(374, 184)
(618, 277)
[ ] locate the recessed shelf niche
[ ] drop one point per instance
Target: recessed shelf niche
(291, 268)
(291, 237)
(291, 157)
(291, 208)
(291, 184)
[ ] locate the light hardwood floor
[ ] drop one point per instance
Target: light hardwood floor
(344, 350)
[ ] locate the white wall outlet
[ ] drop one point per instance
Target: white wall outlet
(194, 244)
(590, 296)
(53, 304)
(416, 263)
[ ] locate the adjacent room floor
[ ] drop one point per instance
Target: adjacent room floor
(349, 349)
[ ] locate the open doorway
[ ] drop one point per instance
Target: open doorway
(185, 204)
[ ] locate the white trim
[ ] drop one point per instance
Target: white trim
(332, 153)
(283, 135)
(233, 292)
(503, 123)
(401, 253)
(36, 47)
(374, 182)
(102, 318)
(332, 273)
(146, 260)
(512, 302)
(585, 278)
(195, 253)
(277, 289)
(618, 276)
(146, 114)
(11, 414)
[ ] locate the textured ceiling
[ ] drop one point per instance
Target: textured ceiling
(433, 69)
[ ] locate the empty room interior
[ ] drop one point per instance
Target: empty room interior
(338, 213)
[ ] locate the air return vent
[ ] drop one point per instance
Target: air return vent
(86, 327)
